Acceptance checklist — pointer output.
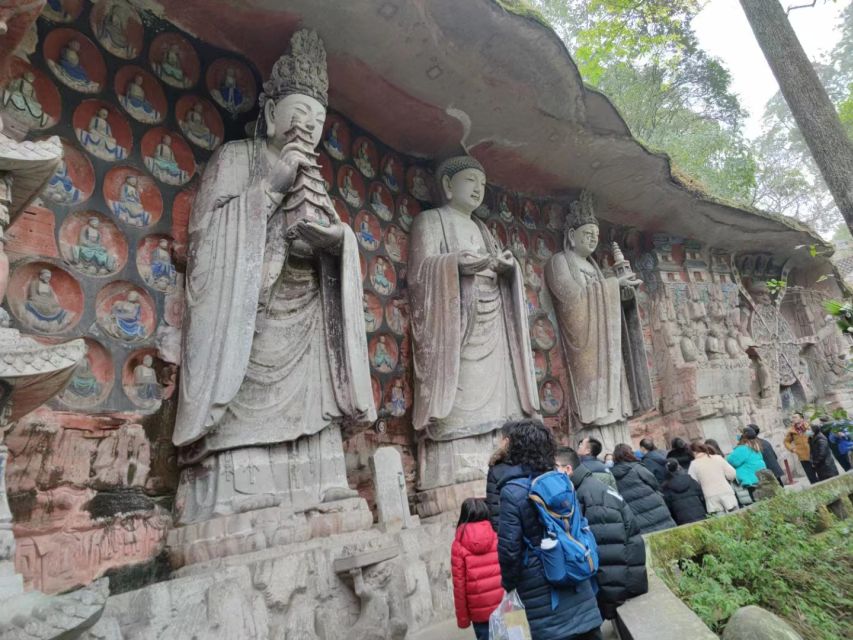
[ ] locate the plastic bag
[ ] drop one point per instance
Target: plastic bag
(509, 620)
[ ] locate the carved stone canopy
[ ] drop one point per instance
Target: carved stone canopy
(31, 165)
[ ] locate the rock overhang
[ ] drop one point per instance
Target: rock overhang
(433, 77)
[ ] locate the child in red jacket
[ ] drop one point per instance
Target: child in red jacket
(477, 587)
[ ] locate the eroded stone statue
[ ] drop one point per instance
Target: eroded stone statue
(274, 354)
(600, 330)
(473, 368)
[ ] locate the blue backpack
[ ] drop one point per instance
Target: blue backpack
(570, 554)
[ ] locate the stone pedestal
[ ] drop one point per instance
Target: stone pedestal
(389, 483)
(241, 533)
(433, 502)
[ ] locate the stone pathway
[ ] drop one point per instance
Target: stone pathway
(449, 631)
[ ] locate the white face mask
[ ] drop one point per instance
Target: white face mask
(608, 464)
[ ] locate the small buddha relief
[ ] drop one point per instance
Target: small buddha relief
(30, 97)
(551, 397)
(419, 184)
(125, 312)
(155, 264)
(518, 243)
(543, 247)
(396, 244)
(365, 157)
(383, 353)
(102, 130)
(168, 157)
(200, 122)
(133, 197)
(542, 334)
(75, 60)
(382, 276)
(351, 186)
(554, 216)
(92, 380)
(392, 172)
(174, 60)
(336, 137)
(141, 379)
(118, 28)
(398, 397)
(373, 312)
(92, 244)
(407, 210)
(380, 201)
(231, 85)
(74, 179)
(529, 214)
(505, 207)
(396, 315)
(367, 231)
(45, 298)
(540, 365)
(140, 94)
(499, 233)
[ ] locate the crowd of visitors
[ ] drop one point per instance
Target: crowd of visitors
(501, 540)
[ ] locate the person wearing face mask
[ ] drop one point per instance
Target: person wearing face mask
(588, 450)
(608, 461)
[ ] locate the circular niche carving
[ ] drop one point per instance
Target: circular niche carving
(373, 312)
(380, 201)
(336, 137)
(351, 186)
(167, 156)
(155, 264)
(45, 298)
(74, 60)
(365, 157)
(505, 206)
(132, 196)
(396, 243)
(146, 379)
(420, 184)
(73, 181)
(125, 312)
(102, 130)
(407, 211)
(92, 380)
(554, 217)
(140, 94)
(543, 247)
(518, 242)
(231, 85)
(396, 316)
(540, 365)
(542, 334)
(551, 397)
(367, 231)
(118, 28)
(30, 97)
(529, 214)
(91, 243)
(382, 276)
(174, 60)
(62, 10)
(398, 397)
(199, 122)
(392, 172)
(383, 353)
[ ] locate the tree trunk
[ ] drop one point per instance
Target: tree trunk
(807, 98)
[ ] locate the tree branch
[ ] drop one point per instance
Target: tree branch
(800, 6)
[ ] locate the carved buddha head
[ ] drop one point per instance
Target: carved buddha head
(296, 95)
(463, 183)
(582, 226)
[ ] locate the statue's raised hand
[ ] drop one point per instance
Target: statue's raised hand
(471, 262)
(505, 262)
(318, 236)
(283, 173)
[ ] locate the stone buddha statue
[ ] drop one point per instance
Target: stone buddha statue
(473, 364)
(274, 352)
(600, 330)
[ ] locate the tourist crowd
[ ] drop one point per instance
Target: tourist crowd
(501, 541)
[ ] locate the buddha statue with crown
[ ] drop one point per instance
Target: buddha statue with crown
(473, 366)
(274, 352)
(600, 330)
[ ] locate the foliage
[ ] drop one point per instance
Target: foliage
(784, 555)
(843, 313)
(673, 96)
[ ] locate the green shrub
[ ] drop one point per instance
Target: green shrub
(785, 555)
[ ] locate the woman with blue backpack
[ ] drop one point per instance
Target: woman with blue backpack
(538, 504)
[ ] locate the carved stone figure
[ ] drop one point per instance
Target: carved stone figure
(145, 383)
(473, 368)
(126, 319)
(129, 207)
(274, 354)
(70, 71)
(136, 103)
(98, 138)
(163, 164)
(163, 274)
(600, 329)
(90, 254)
(196, 130)
(43, 306)
(378, 619)
(21, 101)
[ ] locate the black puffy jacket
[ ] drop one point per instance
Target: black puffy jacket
(770, 459)
(684, 498)
(621, 551)
(577, 610)
(493, 493)
(641, 491)
(684, 457)
(655, 462)
(821, 457)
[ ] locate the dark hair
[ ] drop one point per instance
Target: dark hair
(754, 427)
(623, 453)
(473, 510)
(648, 444)
(506, 430)
(672, 466)
(698, 447)
(594, 447)
(711, 443)
(531, 445)
(748, 439)
(567, 456)
(678, 443)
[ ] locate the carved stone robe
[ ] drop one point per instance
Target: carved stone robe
(603, 346)
(473, 368)
(264, 364)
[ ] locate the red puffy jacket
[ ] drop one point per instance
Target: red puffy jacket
(477, 589)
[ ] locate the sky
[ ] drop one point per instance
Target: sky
(724, 32)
